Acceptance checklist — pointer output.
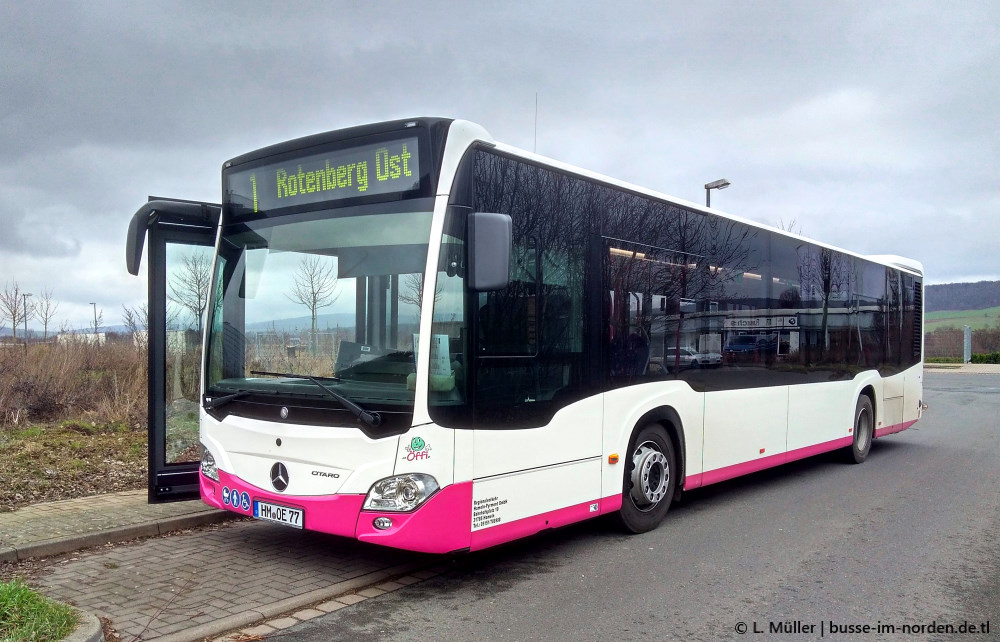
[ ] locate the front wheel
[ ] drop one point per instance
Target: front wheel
(650, 480)
(864, 429)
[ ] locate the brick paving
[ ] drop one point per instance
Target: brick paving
(197, 583)
(206, 582)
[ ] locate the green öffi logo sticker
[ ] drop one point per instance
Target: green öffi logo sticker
(418, 449)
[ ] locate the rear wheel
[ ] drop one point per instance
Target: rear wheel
(864, 430)
(650, 480)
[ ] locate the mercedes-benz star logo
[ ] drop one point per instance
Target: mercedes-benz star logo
(279, 477)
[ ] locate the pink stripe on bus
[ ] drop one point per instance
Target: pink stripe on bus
(526, 526)
(440, 525)
(747, 467)
(888, 430)
(334, 514)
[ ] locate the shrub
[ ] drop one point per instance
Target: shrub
(52, 382)
(993, 357)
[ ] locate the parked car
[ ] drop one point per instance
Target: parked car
(688, 358)
(746, 347)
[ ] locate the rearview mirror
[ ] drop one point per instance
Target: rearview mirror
(489, 251)
(164, 210)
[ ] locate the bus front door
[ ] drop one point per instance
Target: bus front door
(179, 266)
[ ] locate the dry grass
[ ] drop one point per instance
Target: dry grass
(103, 384)
(72, 421)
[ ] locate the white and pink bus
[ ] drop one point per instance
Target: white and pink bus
(417, 336)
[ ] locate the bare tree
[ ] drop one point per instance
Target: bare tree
(189, 286)
(14, 306)
(137, 321)
(791, 226)
(412, 290)
(45, 309)
(823, 273)
(315, 286)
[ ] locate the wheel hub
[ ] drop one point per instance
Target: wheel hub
(650, 475)
(863, 429)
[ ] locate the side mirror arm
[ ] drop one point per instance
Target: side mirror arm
(166, 210)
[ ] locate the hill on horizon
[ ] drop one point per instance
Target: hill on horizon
(962, 296)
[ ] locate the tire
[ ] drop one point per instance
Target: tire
(864, 431)
(650, 480)
(695, 364)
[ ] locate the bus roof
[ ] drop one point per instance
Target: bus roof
(899, 262)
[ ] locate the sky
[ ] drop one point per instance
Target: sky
(873, 126)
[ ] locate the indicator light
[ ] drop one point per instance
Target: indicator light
(613, 458)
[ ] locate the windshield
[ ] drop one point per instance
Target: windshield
(332, 294)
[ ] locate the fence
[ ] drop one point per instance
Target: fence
(948, 342)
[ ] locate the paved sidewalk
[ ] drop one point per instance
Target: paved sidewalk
(51, 528)
(963, 368)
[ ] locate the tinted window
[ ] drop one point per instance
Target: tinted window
(529, 337)
(609, 288)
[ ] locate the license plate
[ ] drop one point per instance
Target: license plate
(278, 514)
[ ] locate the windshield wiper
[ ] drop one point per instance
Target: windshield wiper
(214, 402)
(369, 417)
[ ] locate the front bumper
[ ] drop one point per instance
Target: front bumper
(442, 524)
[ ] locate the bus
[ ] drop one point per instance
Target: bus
(420, 337)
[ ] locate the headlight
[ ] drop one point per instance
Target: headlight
(401, 493)
(208, 467)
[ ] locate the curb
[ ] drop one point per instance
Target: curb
(88, 630)
(73, 543)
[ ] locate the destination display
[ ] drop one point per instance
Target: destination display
(381, 168)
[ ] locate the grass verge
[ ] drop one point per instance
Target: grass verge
(26, 616)
(48, 462)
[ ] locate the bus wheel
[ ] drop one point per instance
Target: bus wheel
(864, 422)
(650, 480)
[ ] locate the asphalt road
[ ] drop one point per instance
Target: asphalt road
(909, 538)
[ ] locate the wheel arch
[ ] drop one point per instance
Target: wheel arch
(869, 391)
(670, 420)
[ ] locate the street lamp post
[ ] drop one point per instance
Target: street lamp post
(95, 319)
(719, 184)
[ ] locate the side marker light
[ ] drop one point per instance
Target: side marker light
(613, 458)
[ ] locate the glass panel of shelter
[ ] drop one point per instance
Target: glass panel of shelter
(188, 275)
